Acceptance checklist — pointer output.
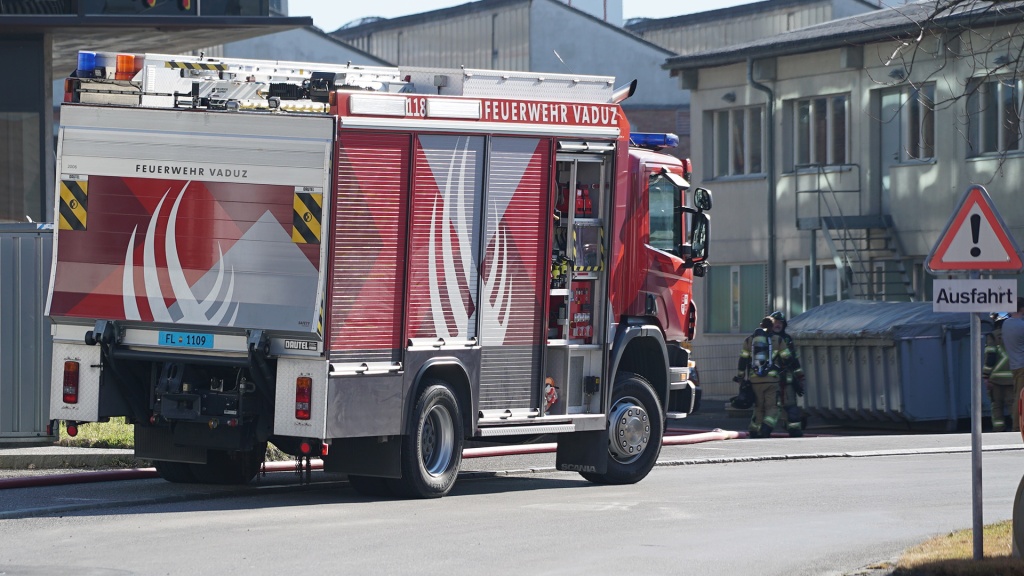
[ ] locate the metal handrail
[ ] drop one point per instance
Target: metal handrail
(846, 236)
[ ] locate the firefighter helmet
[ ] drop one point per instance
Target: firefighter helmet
(779, 316)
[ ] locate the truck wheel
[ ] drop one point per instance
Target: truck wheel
(223, 467)
(370, 486)
(177, 472)
(432, 450)
(635, 428)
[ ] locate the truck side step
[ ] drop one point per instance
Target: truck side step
(521, 430)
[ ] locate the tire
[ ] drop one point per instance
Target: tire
(230, 468)
(177, 472)
(370, 486)
(636, 425)
(432, 450)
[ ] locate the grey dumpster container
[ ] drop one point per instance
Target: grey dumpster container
(25, 346)
(885, 361)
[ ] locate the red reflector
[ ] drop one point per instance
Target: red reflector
(72, 430)
(303, 397)
(71, 382)
(305, 448)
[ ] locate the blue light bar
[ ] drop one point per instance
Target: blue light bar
(654, 141)
(86, 64)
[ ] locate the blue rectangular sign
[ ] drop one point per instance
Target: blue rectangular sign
(185, 340)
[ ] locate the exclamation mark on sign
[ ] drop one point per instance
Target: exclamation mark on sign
(975, 229)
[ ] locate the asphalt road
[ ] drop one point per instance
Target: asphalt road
(813, 506)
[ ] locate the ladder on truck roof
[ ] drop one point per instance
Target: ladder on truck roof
(177, 81)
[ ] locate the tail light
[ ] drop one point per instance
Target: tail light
(184, 5)
(303, 397)
(71, 382)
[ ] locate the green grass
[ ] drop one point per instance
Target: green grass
(113, 434)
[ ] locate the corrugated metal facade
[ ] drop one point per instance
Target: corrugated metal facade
(497, 39)
(702, 34)
(25, 346)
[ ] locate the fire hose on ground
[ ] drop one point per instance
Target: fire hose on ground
(671, 438)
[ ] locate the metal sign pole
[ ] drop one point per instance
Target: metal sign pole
(976, 386)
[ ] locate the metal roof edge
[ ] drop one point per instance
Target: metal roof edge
(774, 46)
(650, 24)
(50, 21)
(429, 16)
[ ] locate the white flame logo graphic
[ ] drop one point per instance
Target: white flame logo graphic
(453, 200)
(192, 310)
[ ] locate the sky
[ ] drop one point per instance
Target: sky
(331, 15)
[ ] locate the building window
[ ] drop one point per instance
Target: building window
(910, 111)
(735, 298)
(994, 116)
(820, 130)
(738, 141)
(801, 293)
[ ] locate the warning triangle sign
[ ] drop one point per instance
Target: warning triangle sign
(975, 238)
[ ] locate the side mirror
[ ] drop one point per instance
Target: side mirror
(699, 226)
(699, 270)
(702, 199)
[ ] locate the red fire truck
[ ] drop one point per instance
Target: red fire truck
(368, 265)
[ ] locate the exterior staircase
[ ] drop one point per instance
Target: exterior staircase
(865, 247)
(869, 257)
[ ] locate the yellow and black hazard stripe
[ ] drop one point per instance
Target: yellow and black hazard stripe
(306, 217)
(209, 66)
(74, 204)
(584, 263)
(320, 321)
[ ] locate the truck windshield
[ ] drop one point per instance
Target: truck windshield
(665, 222)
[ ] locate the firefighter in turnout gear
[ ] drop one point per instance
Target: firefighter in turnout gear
(791, 385)
(763, 354)
(999, 378)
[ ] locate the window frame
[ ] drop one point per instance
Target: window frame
(675, 219)
(818, 142)
(738, 144)
(915, 117)
(804, 274)
(981, 121)
(735, 300)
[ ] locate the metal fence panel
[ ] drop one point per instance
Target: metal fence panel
(25, 346)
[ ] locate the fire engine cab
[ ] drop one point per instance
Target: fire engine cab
(368, 265)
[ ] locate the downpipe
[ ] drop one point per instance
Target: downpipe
(770, 153)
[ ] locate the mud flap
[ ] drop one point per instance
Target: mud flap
(158, 444)
(367, 456)
(583, 452)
